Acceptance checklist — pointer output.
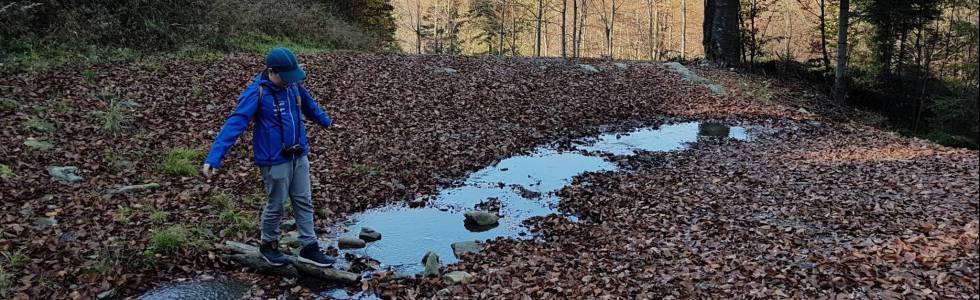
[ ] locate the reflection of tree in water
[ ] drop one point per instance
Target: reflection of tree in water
(713, 130)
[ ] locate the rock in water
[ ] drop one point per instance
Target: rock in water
(457, 277)
(350, 242)
(432, 264)
(466, 247)
(66, 174)
(369, 235)
(481, 218)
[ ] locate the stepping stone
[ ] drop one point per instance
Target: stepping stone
(432, 264)
(481, 218)
(457, 277)
(36, 145)
(466, 247)
(347, 242)
(369, 235)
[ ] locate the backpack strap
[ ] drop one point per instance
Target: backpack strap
(258, 104)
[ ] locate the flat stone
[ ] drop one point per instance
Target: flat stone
(45, 222)
(621, 66)
(686, 73)
(587, 68)
(481, 218)
(135, 188)
(66, 174)
(459, 248)
(457, 277)
(347, 242)
(106, 295)
(36, 145)
(369, 235)
(432, 264)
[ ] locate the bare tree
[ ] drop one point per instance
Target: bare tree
(537, 40)
(840, 78)
(564, 10)
(683, 29)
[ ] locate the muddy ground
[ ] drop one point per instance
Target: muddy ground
(823, 207)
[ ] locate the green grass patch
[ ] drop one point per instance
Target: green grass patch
(181, 162)
(89, 76)
(220, 201)
(122, 215)
(158, 217)
(113, 118)
(9, 105)
(5, 282)
(177, 238)
(5, 172)
(15, 259)
(170, 240)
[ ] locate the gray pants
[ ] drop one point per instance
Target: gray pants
(288, 180)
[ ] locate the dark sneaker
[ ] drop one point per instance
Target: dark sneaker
(272, 255)
(311, 254)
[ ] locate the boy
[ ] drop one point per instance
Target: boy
(277, 102)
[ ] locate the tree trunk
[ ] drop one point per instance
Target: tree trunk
(418, 26)
(503, 35)
(650, 38)
(537, 39)
(823, 34)
(575, 28)
(840, 78)
(721, 43)
(564, 11)
(248, 255)
(684, 28)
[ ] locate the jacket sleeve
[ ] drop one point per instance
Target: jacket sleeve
(248, 103)
(311, 109)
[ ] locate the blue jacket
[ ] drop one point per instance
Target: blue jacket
(266, 140)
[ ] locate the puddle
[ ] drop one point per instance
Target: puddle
(516, 188)
(525, 187)
(199, 289)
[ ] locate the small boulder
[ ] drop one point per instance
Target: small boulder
(466, 247)
(36, 145)
(347, 242)
(481, 218)
(66, 174)
(369, 235)
(621, 66)
(588, 68)
(457, 277)
(432, 264)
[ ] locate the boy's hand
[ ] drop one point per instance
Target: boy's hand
(207, 170)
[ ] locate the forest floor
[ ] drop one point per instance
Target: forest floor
(824, 206)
